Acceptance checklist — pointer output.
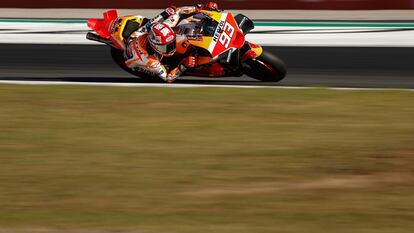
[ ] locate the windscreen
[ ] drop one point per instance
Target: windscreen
(209, 27)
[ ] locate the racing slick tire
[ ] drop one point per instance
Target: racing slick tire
(118, 57)
(267, 68)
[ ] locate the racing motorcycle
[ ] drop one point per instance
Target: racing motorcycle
(220, 36)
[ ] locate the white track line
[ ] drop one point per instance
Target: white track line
(175, 85)
(75, 33)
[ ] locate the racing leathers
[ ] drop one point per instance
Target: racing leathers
(140, 56)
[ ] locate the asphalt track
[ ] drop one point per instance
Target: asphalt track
(308, 66)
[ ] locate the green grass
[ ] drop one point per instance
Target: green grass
(206, 160)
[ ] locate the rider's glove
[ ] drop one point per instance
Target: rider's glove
(171, 10)
(211, 6)
(173, 75)
(189, 62)
(170, 79)
(165, 14)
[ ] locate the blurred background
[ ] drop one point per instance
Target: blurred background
(228, 4)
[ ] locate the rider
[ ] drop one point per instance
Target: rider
(146, 47)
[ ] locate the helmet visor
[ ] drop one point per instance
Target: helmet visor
(168, 49)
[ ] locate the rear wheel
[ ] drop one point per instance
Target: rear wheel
(267, 68)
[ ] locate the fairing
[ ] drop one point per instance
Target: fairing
(219, 35)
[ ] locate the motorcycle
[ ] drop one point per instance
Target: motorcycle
(217, 36)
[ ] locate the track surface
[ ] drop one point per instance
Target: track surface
(308, 66)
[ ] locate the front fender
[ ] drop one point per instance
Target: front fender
(250, 51)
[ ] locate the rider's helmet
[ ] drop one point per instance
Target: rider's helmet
(162, 39)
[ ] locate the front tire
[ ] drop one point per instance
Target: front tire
(267, 68)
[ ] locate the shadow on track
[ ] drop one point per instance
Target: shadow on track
(185, 80)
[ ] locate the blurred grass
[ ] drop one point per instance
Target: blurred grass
(206, 160)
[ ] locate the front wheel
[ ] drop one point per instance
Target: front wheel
(267, 68)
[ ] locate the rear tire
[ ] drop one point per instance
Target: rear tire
(267, 68)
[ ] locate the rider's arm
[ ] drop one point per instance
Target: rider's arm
(171, 15)
(137, 58)
(167, 13)
(188, 62)
(156, 67)
(211, 6)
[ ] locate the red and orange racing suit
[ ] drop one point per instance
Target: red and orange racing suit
(139, 56)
